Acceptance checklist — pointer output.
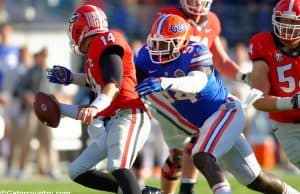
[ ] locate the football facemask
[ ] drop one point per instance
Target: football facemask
(286, 20)
(196, 7)
(169, 35)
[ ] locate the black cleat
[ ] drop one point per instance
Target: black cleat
(150, 190)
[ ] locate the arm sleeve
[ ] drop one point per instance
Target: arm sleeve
(255, 49)
(111, 64)
(140, 75)
(193, 83)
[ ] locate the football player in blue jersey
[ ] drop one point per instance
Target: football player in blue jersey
(179, 79)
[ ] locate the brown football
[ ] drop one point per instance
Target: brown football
(47, 109)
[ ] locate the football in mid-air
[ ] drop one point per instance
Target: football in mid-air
(47, 109)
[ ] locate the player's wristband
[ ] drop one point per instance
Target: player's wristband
(284, 104)
(101, 102)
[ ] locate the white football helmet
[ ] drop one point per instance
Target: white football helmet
(196, 7)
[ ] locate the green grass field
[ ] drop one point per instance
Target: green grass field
(67, 187)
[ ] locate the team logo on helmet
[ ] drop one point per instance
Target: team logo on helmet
(177, 28)
(73, 17)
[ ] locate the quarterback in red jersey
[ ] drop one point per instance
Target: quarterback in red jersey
(118, 123)
(205, 27)
(276, 70)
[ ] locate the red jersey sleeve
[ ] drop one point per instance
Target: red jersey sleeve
(256, 46)
(214, 23)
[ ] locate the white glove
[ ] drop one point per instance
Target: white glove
(253, 95)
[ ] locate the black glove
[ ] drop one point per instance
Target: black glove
(296, 100)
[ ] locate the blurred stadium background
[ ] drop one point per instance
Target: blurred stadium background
(41, 24)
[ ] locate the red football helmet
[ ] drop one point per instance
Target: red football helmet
(196, 7)
(169, 35)
(286, 20)
(85, 21)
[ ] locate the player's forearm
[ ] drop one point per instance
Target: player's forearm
(194, 82)
(69, 110)
(273, 103)
(104, 99)
(79, 79)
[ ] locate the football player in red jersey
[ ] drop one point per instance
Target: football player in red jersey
(276, 72)
(118, 123)
(205, 28)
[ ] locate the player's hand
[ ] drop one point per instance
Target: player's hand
(59, 75)
(148, 86)
(296, 101)
(87, 114)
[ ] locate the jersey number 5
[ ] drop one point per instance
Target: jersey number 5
(289, 79)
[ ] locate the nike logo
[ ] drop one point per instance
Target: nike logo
(152, 71)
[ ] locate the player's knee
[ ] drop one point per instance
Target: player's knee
(171, 169)
(75, 170)
(202, 160)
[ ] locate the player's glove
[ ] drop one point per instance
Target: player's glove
(59, 75)
(296, 101)
(148, 86)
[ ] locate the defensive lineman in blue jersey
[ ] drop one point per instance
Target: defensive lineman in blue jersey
(195, 107)
(179, 79)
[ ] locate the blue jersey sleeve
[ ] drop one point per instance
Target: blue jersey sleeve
(201, 56)
(142, 58)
